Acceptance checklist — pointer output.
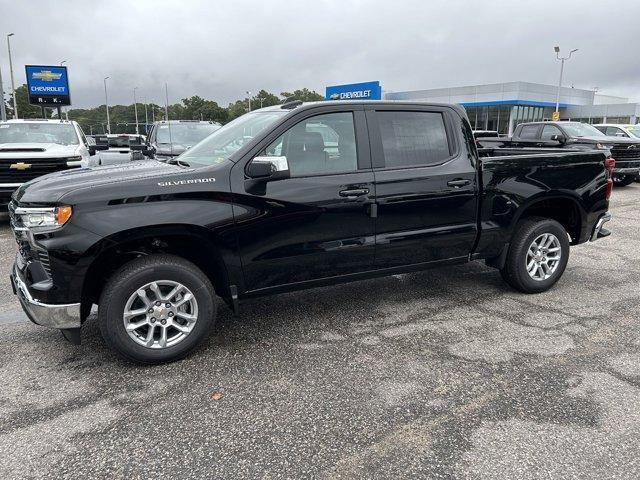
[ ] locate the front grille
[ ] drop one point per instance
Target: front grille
(37, 167)
(624, 153)
(44, 260)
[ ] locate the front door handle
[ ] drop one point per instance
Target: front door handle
(354, 193)
(459, 182)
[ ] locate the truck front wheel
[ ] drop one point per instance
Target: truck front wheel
(156, 309)
(538, 255)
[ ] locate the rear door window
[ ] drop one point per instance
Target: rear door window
(529, 132)
(413, 139)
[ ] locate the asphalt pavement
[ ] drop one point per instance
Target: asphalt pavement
(440, 374)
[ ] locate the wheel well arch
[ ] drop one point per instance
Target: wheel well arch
(565, 210)
(192, 243)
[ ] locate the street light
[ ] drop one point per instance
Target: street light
(135, 108)
(63, 62)
(249, 99)
(3, 111)
(106, 104)
(562, 60)
(13, 83)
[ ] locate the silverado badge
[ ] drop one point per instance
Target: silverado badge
(20, 166)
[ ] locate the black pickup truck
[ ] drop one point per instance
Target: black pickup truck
(574, 136)
(291, 197)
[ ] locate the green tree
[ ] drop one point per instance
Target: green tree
(25, 110)
(304, 94)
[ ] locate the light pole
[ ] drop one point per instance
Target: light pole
(135, 108)
(146, 116)
(13, 83)
(66, 111)
(3, 111)
(249, 99)
(166, 103)
(106, 104)
(562, 60)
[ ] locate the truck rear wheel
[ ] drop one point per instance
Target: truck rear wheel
(537, 256)
(156, 309)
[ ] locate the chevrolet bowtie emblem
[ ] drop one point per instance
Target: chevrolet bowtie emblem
(46, 75)
(20, 166)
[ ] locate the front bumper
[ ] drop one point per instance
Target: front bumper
(47, 315)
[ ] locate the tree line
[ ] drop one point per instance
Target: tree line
(122, 117)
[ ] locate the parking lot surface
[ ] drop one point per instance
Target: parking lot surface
(440, 374)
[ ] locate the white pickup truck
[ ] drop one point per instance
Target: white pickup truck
(33, 147)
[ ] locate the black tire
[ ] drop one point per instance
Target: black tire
(515, 272)
(623, 180)
(132, 276)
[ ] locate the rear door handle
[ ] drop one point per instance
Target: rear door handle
(356, 192)
(459, 182)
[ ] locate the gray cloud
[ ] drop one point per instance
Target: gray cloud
(221, 49)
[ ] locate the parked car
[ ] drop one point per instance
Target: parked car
(263, 205)
(122, 148)
(168, 139)
(619, 130)
(575, 136)
(30, 148)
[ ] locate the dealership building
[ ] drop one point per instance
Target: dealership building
(502, 106)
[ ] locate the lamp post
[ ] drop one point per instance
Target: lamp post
(106, 104)
(135, 108)
(13, 83)
(562, 60)
(66, 111)
(3, 111)
(249, 99)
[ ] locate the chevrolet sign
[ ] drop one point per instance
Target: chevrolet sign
(355, 91)
(48, 85)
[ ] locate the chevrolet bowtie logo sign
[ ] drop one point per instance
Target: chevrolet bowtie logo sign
(46, 75)
(335, 96)
(20, 166)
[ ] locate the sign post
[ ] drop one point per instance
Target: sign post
(48, 86)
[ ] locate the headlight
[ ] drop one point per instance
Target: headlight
(51, 217)
(600, 146)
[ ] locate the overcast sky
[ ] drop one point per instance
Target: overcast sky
(220, 49)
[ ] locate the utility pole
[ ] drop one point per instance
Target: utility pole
(166, 102)
(562, 60)
(3, 111)
(135, 108)
(13, 83)
(106, 104)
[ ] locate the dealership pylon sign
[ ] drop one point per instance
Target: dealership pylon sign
(48, 86)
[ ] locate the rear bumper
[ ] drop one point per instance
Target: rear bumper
(47, 315)
(627, 170)
(598, 230)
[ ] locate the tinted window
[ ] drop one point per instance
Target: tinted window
(319, 145)
(615, 131)
(550, 130)
(529, 132)
(412, 139)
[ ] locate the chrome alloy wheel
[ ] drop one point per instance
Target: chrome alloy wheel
(160, 314)
(543, 256)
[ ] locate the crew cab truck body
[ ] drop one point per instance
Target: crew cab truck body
(292, 197)
(575, 136)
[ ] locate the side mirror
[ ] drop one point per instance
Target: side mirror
(559, 138)
(268, 168)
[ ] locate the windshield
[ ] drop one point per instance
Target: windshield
(224, 142)
(634, 130)
(581, 130)
(124, 141)
(186, 134)
(60, 133)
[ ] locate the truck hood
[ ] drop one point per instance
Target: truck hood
(51, 188)
(36, 150)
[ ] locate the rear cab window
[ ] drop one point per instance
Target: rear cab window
(412, 138)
